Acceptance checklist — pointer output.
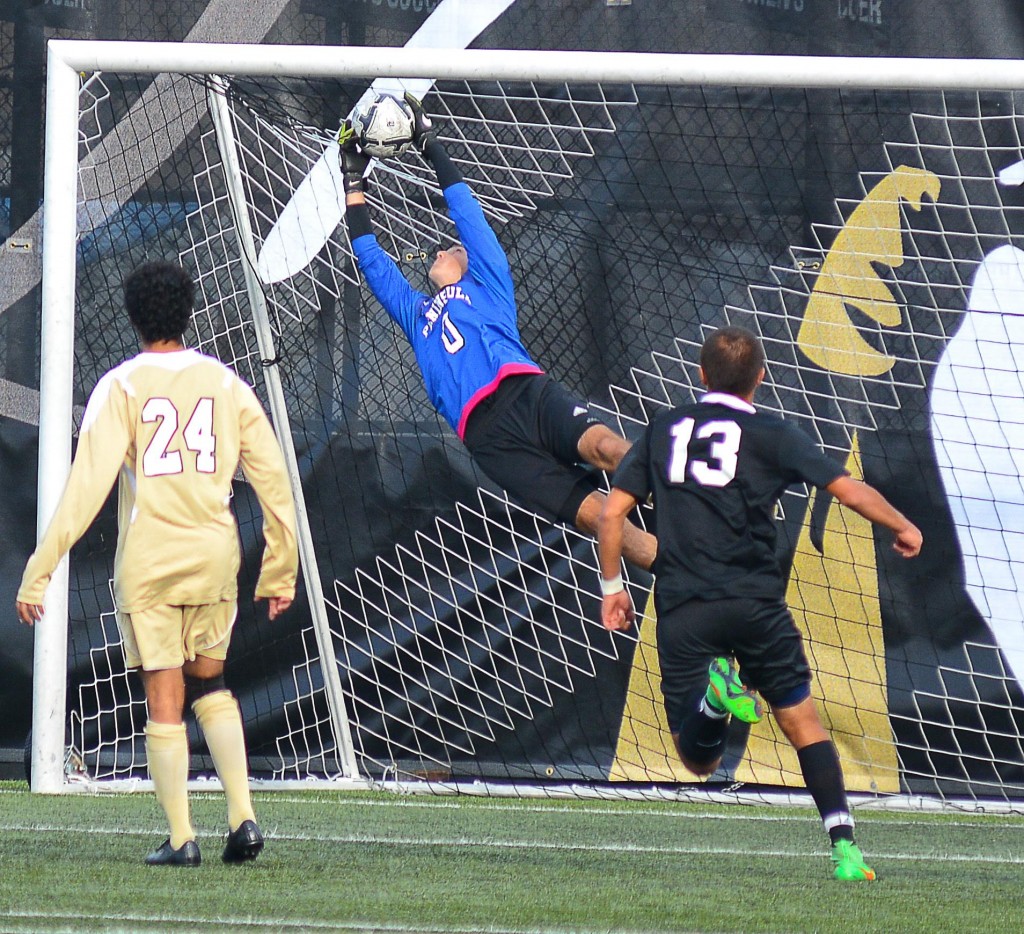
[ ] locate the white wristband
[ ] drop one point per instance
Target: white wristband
(613, 586)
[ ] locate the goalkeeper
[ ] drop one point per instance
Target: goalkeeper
(523, 429)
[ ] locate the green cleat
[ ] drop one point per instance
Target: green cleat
(850, 865)
(727, 693)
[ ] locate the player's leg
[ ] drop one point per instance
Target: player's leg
(706, 725)
(208, 633)
(700, 736)
(639, 548)
(602, 447)
(168, 759)
(525, 437)
(774, 659)
(688, 636)
(823, 776)
(152, 643)
(574, 434)
(506, 439)
(220, 719)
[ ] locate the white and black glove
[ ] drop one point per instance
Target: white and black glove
(423, 132)
(354, 162)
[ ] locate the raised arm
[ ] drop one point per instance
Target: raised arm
(392, 289)
(487, 259)
(866, 501)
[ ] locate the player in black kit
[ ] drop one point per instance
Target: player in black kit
(716, 470)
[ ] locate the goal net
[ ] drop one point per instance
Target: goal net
(447, 636)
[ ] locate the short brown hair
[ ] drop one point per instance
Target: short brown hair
(732, 359)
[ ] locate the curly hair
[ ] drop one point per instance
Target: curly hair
(159, 297)
(732, 359)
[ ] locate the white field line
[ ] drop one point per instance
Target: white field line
(160, 923)
(191, 922)
(745, 812)
(485, 843)
(987, 821)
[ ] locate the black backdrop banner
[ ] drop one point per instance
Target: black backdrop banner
(915, 644)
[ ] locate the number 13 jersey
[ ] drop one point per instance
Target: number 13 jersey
(716, 470)
(175, 427)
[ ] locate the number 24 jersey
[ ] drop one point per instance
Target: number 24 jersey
(175, 427)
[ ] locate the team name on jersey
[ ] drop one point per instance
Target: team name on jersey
(437, 305)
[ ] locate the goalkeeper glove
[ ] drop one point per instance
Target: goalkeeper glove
(354, 161)
(423, 132)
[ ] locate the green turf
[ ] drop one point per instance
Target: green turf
(347, 861)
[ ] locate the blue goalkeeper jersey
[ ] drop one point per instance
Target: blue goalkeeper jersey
(466, 337)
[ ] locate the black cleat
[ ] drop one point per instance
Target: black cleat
(186, 855)
(244, 843)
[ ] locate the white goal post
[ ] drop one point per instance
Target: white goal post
(487, 565)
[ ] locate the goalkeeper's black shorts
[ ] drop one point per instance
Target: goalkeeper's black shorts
(525, 437)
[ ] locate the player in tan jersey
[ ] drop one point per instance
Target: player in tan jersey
(175, 425)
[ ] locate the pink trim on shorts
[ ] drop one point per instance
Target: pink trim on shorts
(509, 369)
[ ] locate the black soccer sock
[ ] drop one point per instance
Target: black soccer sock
(703, 733)
(823, 777)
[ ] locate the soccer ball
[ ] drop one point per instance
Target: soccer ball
(383, 126)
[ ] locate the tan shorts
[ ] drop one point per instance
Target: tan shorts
(167, 636)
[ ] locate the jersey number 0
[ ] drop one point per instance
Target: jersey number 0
(719, 467)
(451, 337)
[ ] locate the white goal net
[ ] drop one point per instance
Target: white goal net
(448, 636)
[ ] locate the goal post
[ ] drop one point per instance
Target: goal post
(49, 702)
(858, 214)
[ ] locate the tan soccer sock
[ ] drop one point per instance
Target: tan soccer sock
(221, 722)
(167, 754)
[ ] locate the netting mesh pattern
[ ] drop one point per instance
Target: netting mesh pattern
(847, 229)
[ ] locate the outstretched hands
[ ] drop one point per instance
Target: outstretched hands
(354, 162)
(423, 131)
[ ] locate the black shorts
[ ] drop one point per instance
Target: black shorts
(760, 633)
(525, 437)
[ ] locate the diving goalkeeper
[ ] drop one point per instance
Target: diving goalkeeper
(528, 433)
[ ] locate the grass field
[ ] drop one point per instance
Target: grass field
(377, 862)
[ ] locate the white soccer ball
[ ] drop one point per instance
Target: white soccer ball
(383, 126)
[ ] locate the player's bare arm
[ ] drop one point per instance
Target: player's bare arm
(617, 611)
(865, 500)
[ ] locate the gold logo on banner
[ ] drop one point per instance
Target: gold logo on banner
(848, 277)
(833, 595)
